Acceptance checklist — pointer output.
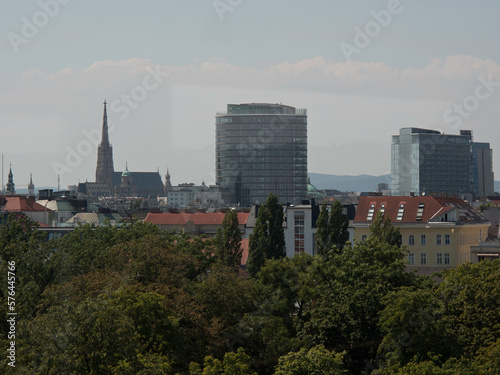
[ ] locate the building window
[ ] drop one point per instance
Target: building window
(423, 240)
(439, 258)
(438, 239)
(299, 231)
(411, 240)
(446, 258)
(447, 239)
(363, 238)
(423, 259)
(411, 258)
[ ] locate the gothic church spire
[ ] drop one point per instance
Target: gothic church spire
(105, 169)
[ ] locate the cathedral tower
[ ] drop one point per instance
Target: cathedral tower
(11, 190)
(104, 170)
(31, 187)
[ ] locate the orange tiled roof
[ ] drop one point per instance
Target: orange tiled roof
(22, 204)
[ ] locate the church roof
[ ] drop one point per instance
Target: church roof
(140, 179)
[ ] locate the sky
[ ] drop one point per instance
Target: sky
(362, 69)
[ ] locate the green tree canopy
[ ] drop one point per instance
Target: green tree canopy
(351, 290)
(268, 239)
(228, 240)
(233, 364)
(454, 322)
(315, 361)
(332, 228)
(382, 230)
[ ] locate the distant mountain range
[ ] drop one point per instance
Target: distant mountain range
(363, 182)
(359, 183)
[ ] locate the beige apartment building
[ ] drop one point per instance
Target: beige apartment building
(437, 232)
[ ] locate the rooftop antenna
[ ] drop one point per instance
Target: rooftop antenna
(58, 181)
(3, 188)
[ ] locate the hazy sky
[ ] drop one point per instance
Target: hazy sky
(363, 69)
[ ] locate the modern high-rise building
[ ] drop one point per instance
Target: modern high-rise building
(429, 162)
(261, 149)
(483, 181)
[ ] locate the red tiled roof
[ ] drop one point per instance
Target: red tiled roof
(22, 204)
(432, 207)
(199, 218)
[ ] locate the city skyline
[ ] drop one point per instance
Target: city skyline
(166, 72)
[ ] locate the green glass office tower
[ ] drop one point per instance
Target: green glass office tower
(427, 161)
(261, 148)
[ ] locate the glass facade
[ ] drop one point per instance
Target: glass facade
(482, 170)
(261, 149)
(427, 161)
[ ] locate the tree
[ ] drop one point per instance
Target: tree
(276, 244)
(332, 228)
(228, 240)
(323, 239)
(455, 325)
(292, 283)
(268, 239)
(124, 332)
(24, 246)
(233, 364)
(338, 225)
(257, 246)
(224, 295)
(351, 295)
(315, 361)
(414, 329)
(382, 230)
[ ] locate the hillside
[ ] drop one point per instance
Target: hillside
(362, 182)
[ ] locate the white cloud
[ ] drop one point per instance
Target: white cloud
(353, 102)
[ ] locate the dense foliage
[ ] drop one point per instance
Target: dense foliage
(136, 300)
(332, 230)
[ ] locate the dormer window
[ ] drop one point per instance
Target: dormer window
(420, 211)
(371, 211)
(401, 212)
(382, 208)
